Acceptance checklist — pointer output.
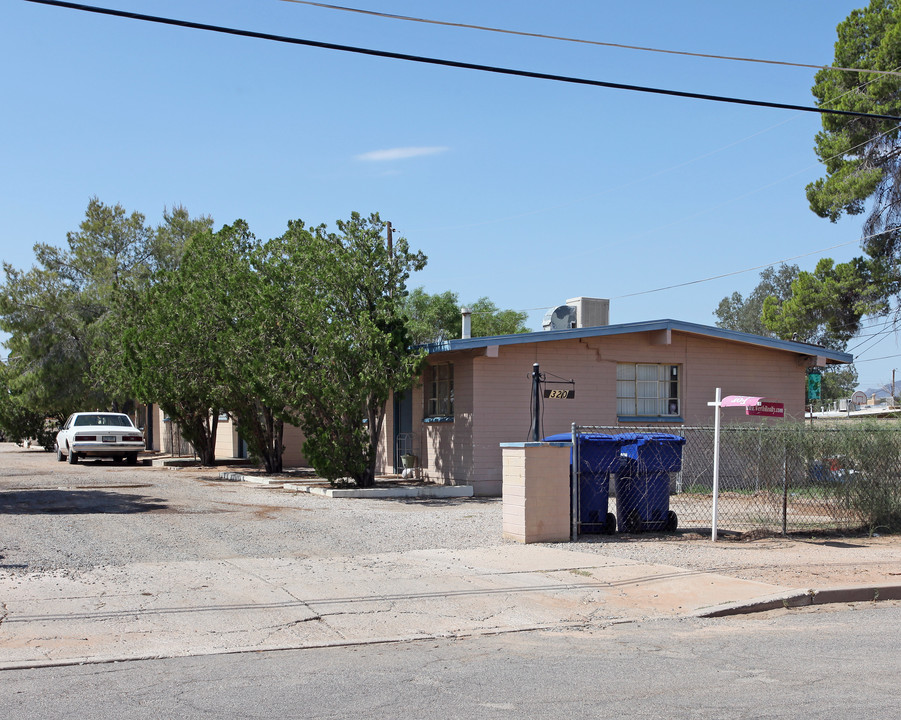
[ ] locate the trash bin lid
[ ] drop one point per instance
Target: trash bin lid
(641, 438)
(559, 437)
(590, 438)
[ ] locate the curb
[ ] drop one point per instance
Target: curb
(188, 462)
(438, 491)
(805, 598)
(426, 491)
(400, 640)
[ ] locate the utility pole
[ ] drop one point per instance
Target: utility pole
(390, 240)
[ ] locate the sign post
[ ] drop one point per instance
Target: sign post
(717, 404)
(752, 406)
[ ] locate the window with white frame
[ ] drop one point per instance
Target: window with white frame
(441, 391)
(647, 390)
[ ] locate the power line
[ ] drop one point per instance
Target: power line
(658, 173)
(884, 357)
(456, 63)
(734, 272)
(392, 16)
(739, 272)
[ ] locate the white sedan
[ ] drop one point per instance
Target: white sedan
(99, 434)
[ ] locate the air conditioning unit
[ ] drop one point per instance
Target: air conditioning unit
(562, 317)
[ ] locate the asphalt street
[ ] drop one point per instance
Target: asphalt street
(825, 662)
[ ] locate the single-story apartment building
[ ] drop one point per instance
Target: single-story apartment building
(476, 392)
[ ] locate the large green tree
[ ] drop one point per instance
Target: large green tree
(62, 314)
(218, 333)
(839, 381)
(17, 421)
(176, 334)
(357, 348)
(787, 304)
(825, 306)
(435, 318)
(746, 314)
(862, 156)
(306, 328)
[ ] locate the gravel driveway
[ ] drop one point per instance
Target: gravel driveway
(55, 517)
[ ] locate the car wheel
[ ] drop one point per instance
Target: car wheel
(59, 455)
(72, 457)
(132, 458)
(117, 459)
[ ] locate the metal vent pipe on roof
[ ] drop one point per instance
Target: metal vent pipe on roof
(467, 322)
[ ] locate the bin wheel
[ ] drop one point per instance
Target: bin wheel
(610, 525)
(672, 521)
(634, 523)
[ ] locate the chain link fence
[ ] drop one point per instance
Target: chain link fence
(784, 478)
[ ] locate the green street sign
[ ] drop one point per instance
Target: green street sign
(814, 383)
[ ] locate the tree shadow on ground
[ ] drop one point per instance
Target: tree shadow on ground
(76, 502)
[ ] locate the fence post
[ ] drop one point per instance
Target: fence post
(679, 477)
(574, 487)
(757, 461)
(785, 490)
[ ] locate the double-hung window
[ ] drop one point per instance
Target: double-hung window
(440, 403)
(647, 390)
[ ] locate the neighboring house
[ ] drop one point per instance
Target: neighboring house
(476, 392)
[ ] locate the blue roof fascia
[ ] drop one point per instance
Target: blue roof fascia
(645, 326)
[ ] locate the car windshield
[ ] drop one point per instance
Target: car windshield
(102, 419)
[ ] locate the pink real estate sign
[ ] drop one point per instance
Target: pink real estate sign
(754, 405)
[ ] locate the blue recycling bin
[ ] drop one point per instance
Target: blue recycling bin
(642, 481)
(599, 455)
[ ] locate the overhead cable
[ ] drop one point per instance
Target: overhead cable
(729, 274)
(392, 16)
(457, 63)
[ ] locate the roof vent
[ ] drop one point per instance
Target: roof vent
(562, 317)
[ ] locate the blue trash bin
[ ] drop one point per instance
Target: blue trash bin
(642, 482)
(599, 455)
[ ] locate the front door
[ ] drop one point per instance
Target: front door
(403, 426)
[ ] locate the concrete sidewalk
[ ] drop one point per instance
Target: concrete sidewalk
(195, 608)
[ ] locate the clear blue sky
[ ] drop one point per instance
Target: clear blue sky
(527, 191)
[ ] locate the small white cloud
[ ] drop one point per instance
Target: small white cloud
(400, 153)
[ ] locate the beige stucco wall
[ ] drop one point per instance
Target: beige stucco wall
(227, 444)
(536, 493)
(293, 441)
(444, 449)
(226, 440)
(492, 393)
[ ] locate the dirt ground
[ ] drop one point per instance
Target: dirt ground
(810, 562)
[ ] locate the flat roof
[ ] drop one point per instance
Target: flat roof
(647, 326)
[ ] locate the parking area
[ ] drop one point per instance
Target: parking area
(57, 517)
